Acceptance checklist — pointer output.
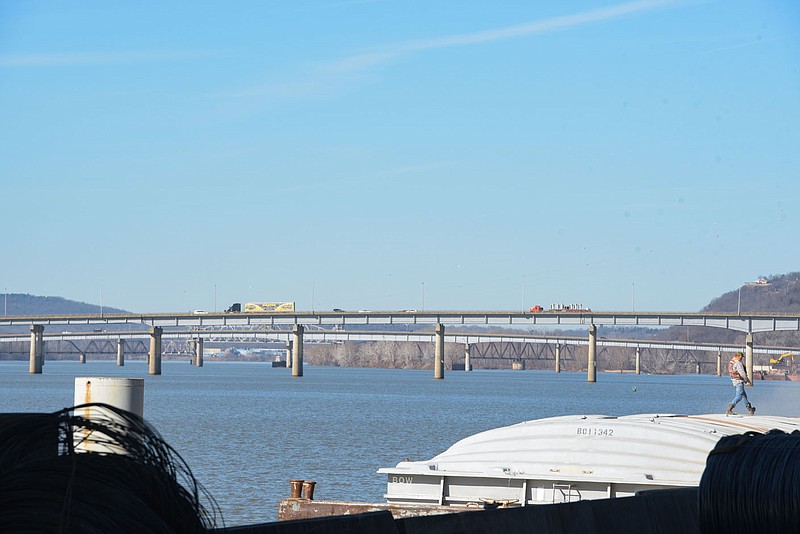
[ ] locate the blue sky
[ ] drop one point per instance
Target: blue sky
(170, 156)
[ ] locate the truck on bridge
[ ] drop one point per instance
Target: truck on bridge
(261, 307)
(569, 308)
(561, 308)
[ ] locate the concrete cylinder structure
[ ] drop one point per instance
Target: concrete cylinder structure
(748, 356)
(558, 357)
(155, 350)
(37, 349)
(82, 357)
(123, 393)
(120, 352)
(297, 352)
(438, 364)
(638, 360)
(198, 352)
(719, 363)
(592, 364)
(289, 354)
(467, 362)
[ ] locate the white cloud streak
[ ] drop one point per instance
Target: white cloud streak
(365, 61)
(328, 77)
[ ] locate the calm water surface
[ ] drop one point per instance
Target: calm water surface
(246, 429)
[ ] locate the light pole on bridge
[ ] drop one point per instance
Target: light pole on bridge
(762, 282)
(739, 303)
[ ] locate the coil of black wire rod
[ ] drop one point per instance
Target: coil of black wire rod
(111, 472)
(751, 484)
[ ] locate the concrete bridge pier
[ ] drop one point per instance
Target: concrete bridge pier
(198, 352)
(297, 352)
(82, 357)
(467, 363)
(154, 356)
(592, 367)
(748, 355)
(558, 357)
(120, 352)
(638, 360)
(289, 354)
(438, 364)
(719, 362)
(37, 349)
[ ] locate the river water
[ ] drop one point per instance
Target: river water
(246, 429)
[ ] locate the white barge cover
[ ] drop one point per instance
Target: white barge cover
(570, 458)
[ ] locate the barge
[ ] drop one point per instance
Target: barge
(570, 458)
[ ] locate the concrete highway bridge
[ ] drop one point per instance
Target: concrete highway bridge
(297, 327)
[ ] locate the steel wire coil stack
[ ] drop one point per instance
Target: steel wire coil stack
(751, 484)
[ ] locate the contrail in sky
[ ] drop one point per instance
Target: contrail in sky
(365, 61)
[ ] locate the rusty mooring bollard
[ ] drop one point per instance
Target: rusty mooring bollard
(296, 486)
(308, 490)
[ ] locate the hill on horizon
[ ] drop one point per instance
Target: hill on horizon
(26, 304)
(779, 294)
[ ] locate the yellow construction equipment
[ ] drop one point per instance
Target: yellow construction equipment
(779, 359)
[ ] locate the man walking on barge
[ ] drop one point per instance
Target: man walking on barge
(739, 378)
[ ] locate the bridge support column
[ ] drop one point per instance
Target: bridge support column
(748, 355)
(592, 365)
(82, 357)
(719, 362)
(438, 364)
(467, 363)
(297, 353)
(289, 353)
(37, 349)
(198, 352)
(120, 352)
(558, 357)
(154, 356)
(638, 360)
